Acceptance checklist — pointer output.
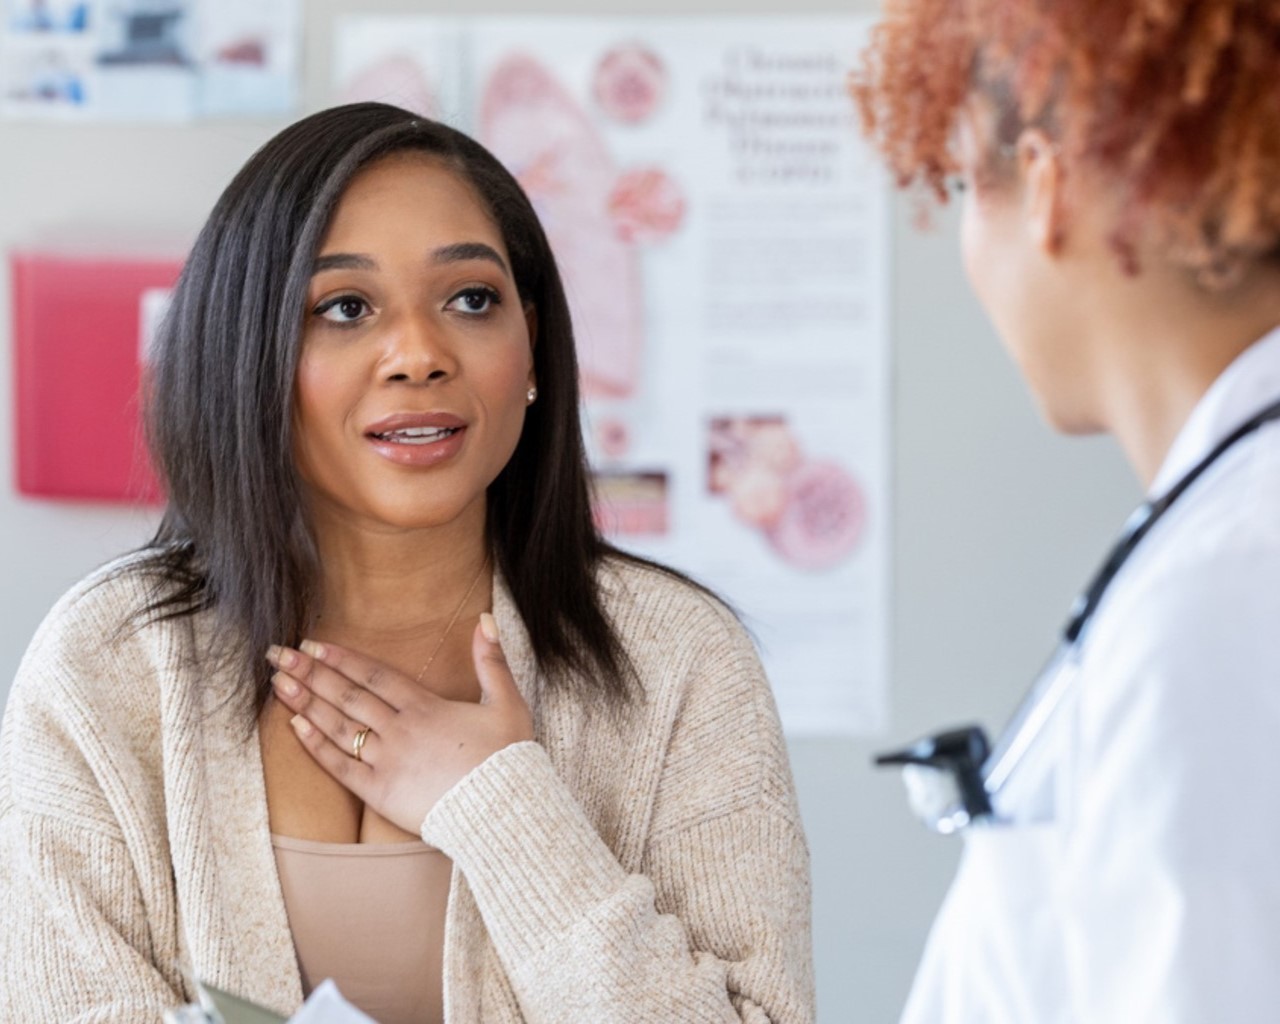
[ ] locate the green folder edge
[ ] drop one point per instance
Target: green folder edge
(232, 1009)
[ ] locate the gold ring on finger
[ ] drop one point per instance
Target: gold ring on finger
(357, 744)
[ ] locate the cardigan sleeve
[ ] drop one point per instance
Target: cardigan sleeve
(77, 941)
(715, 929)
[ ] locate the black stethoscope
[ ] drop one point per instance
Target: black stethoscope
(956, 776)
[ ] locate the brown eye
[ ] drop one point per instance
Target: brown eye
(344, 309)
(475, 301)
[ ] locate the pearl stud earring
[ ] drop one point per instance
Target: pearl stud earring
(531, 395)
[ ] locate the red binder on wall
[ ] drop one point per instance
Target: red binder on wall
(79, 327)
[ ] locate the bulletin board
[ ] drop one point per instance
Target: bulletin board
(143, 60)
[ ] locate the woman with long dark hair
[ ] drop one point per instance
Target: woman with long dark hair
(378, 702)
(1121, 226)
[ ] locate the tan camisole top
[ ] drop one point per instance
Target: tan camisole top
(370, 916)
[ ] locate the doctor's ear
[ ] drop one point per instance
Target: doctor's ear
(1043, 182)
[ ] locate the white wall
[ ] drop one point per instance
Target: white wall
(996, 521)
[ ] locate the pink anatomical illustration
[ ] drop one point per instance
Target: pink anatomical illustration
(630, 82)
(396, 78)
(812, 513)
(823, 516)
(612, 436)
(631, 504)
(646, 205)
(546, 140)
(750, 460)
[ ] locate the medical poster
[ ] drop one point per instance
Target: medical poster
(148, 60)
(723, 239)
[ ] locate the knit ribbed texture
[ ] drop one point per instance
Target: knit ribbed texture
(651, 869)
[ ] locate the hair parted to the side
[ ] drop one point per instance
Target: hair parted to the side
(1175, 101)
(233, 540)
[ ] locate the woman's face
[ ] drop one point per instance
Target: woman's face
(416, 353)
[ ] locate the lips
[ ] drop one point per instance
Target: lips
(417, 439)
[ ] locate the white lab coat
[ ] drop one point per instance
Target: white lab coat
(1152, 892)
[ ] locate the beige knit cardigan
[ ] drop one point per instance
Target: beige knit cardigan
(654, 871)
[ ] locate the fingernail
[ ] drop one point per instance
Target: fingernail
(286, 685)
(312, 648)
(488, 627)
(303, 727)
(281, 657)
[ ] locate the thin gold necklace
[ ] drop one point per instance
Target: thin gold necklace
(456, 612)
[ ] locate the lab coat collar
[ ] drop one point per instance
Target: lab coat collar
(1251, 381)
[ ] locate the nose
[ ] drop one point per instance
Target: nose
(417, 350)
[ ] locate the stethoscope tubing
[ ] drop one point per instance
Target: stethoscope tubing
(1053, 682)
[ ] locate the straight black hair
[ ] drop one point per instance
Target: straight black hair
(234, 539)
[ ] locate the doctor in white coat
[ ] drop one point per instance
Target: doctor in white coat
(1120, 162)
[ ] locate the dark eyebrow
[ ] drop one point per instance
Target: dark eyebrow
(343, 261)
(462, 251)
(459, 252)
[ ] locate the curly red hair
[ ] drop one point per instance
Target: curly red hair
(1178, 101)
